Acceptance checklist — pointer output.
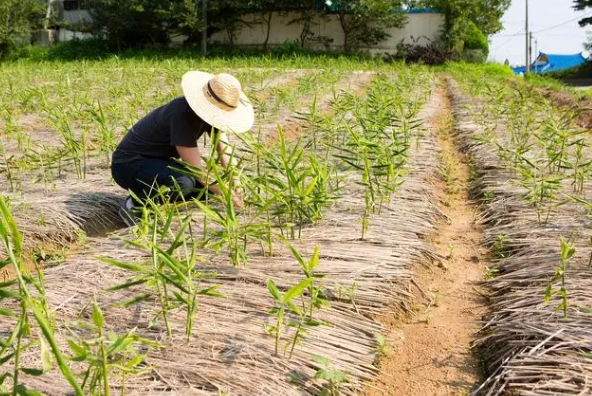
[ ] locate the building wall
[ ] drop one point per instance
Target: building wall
(421, 28)
(73, 16)
(66, 35)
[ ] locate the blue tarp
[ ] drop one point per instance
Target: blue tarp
(550, 62)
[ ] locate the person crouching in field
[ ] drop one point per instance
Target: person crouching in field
(145, 158)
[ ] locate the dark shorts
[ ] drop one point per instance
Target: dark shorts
(144, 177)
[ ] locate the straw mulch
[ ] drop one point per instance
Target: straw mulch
(54, 221)
(229, 350)
(88, 206)
(527, 348)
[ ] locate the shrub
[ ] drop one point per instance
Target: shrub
(474, 39)
(474, 56)
(18, 19)
(435, 53)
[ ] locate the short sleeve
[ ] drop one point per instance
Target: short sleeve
(182, 131)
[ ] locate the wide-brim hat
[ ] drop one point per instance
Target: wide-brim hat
(218, 100)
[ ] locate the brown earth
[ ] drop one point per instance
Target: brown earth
(430, 348)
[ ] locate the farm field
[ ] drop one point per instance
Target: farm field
(406, 231)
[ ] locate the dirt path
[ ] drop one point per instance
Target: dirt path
(430, 347)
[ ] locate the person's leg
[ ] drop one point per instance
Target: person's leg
(144, 177)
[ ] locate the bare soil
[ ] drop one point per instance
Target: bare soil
(430, 347)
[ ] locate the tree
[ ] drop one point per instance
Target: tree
(140, 22)
(309, 15)
(363, 21)
(467, 23)
(485, 14)
(18, 19)
(265, 10)
(226, 15)
(187, 21)
(580, 5)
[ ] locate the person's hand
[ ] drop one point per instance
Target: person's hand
(237, 200)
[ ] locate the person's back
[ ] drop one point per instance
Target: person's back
(158, 133)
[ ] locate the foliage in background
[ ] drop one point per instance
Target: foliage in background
(363, 21)
(434, 53)
(485, 14)
(580, 5)
(490, 71)
(581, 71)
(468, 23)
(18, 18)
(474, 39)
(139, 22)
(154, 23)
(308, 18)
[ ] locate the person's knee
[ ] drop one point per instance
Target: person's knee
(185, 184)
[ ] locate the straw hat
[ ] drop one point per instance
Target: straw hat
(218, 100)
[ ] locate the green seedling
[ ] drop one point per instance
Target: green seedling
(335, 379)
(347, 291)
(29, 293)
(436, 300)
(490, 273)
(566, 253)
(284, 304)
(541, 190)
(316, 296)
(499, 248)
(579, 166)
(223, 226)
(298, 190)
(450, 256)
(106, 140)
(171, 272)
(106, 353)
(382, 347)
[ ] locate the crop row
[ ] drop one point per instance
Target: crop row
(532, 175)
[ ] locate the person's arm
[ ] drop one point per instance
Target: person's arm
(223, 148)
(192, 156)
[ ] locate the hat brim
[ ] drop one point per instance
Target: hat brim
(238, 120)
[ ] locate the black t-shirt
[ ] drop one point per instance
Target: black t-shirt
(157, 134)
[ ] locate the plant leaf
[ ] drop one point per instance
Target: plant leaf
(294, 308)
(7, 312)
(296, 290)
(127, 285)
(211, 291)
(32, 371)
(45, 355)
(321, 360)
(277, 295)
(97, 315)
(22, 390)
(121, 264)
(314, 260)
(585, 309)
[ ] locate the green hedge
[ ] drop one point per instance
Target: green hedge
(474, 39)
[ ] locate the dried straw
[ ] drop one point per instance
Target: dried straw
(527, 348)
(229, 350)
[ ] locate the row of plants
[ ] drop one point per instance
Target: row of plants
(532, 162)
(83, 120)
(543, 146)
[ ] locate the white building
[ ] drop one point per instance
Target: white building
(422, 27)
